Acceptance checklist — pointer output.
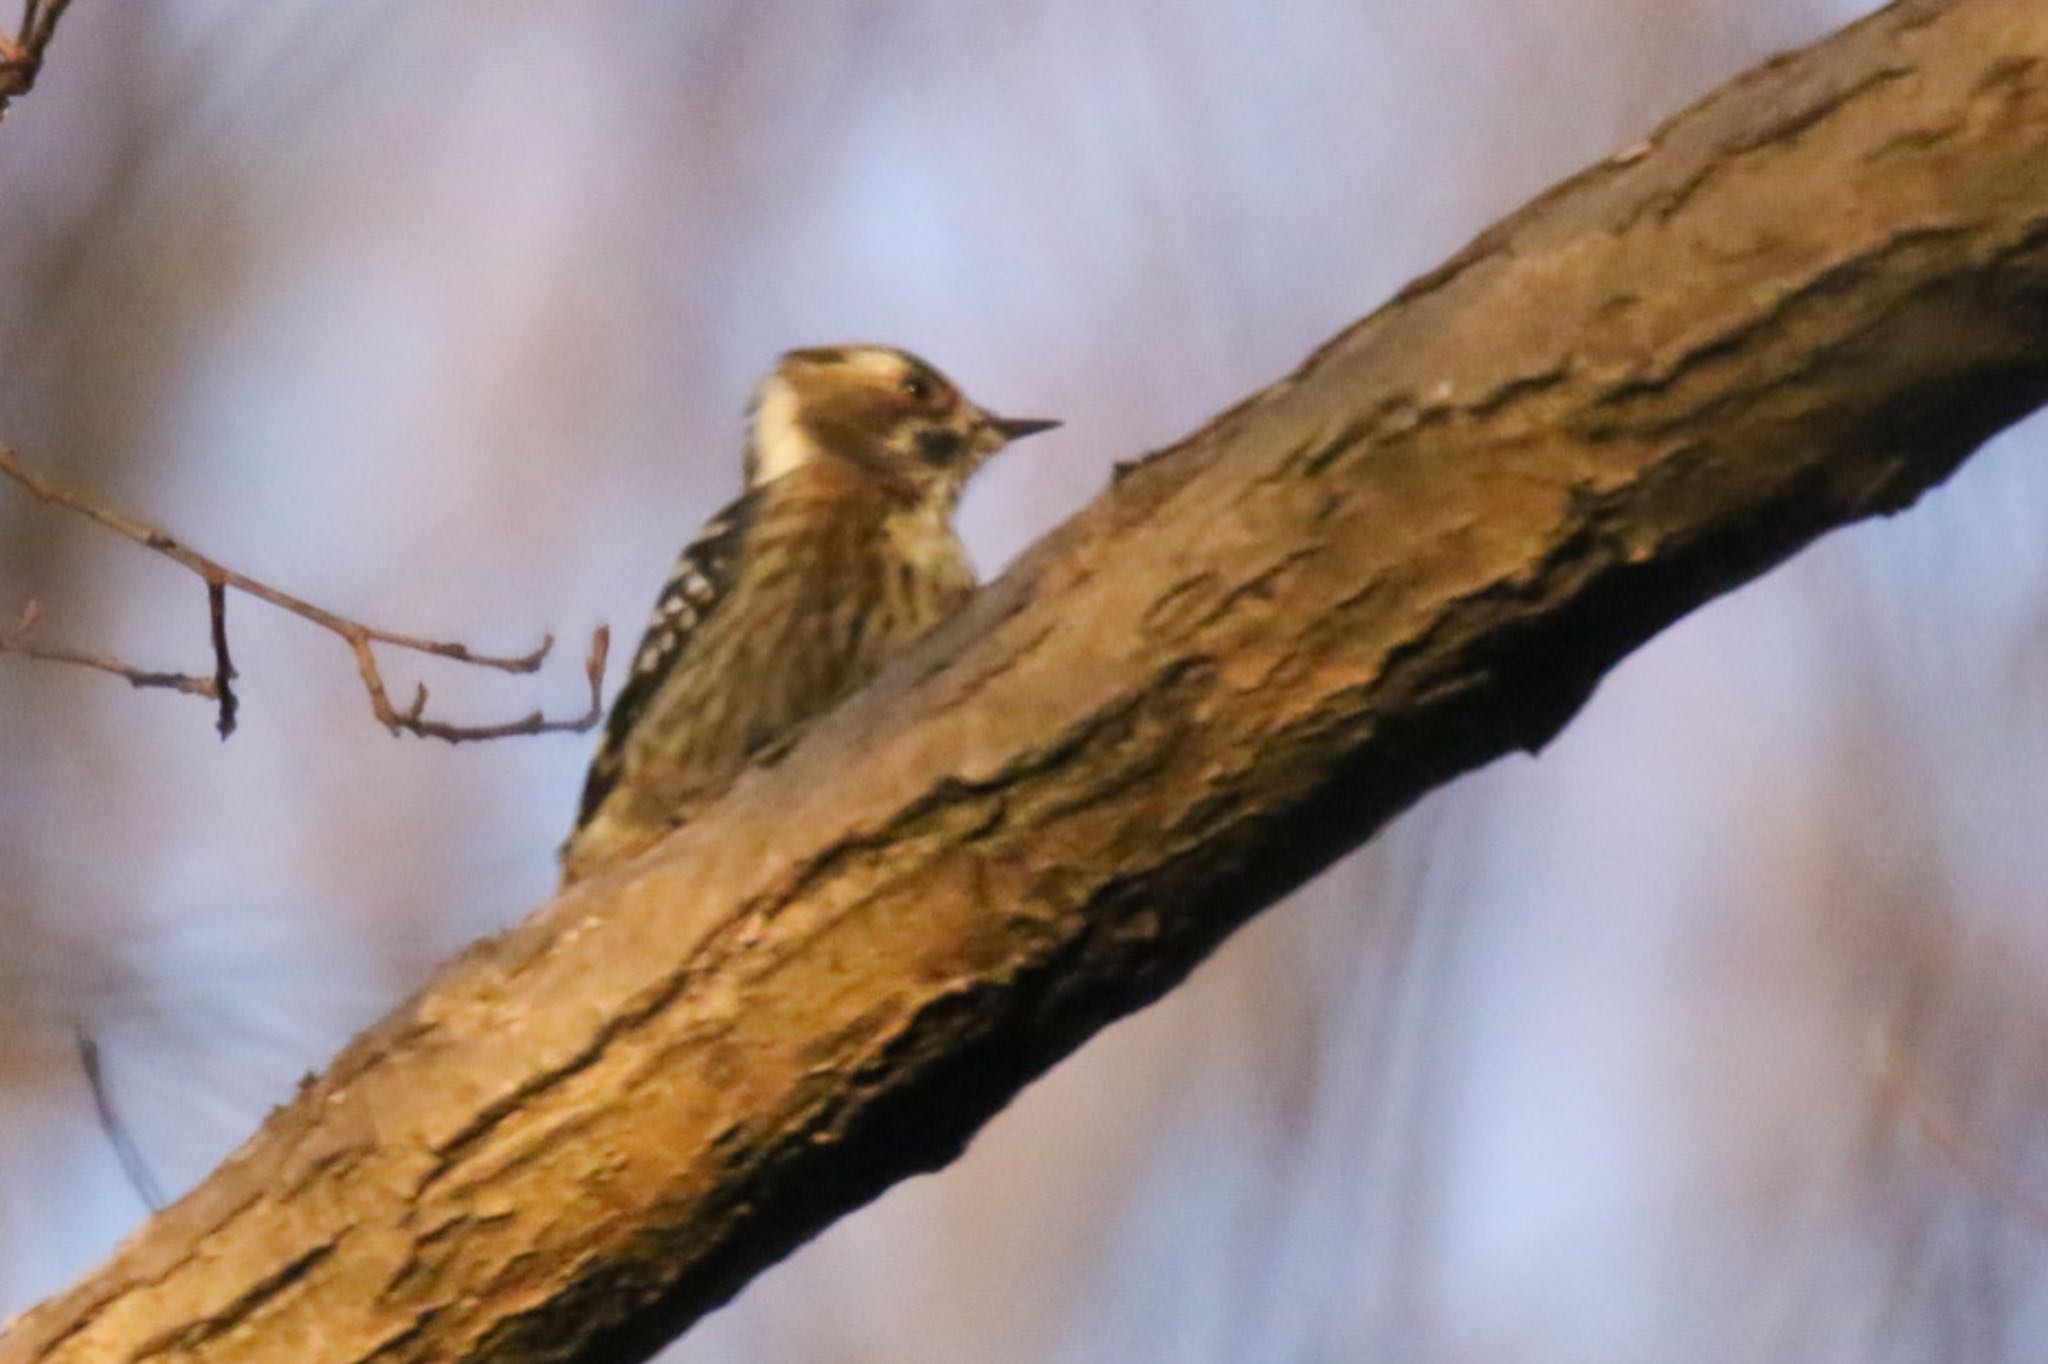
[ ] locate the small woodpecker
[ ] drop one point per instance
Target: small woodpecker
(840, 552)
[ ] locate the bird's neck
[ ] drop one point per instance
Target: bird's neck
(779, 441)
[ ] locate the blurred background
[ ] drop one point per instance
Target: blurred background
(1716, 1033)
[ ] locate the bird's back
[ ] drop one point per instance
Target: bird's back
(791, 598)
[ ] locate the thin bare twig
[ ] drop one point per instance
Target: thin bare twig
(125, 1150)
(21, 57)
(415, 722)
(15, 640)
(223, 667)
(359, 637)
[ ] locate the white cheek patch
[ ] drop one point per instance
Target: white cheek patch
(779, 443)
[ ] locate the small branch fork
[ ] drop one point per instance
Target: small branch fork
(360, 638)
(21, 57)
(1943, 1130)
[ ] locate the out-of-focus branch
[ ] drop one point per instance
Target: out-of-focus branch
(1995, 1177)
(21, 57)
(360, 638)
(1801, 303)
(133, 1164)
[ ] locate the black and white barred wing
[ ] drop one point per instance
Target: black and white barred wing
(700, 580)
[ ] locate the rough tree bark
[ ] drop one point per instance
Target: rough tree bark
(1801, 303)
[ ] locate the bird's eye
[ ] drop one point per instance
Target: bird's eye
(917, 388)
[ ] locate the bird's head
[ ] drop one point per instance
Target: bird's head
(877, 407)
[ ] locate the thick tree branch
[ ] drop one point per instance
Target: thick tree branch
(360, 638)
(1801, 303)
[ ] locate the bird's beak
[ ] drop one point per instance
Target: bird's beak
(1016, 428)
